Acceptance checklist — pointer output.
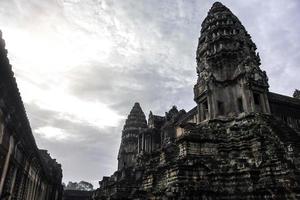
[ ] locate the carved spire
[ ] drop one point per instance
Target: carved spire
(135, 119)
(230, 80)
(135, 122)
(224, 41)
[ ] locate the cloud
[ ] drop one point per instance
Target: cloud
(81, 65)
(49, 132)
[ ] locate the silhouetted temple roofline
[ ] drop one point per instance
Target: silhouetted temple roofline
(217, 6)
(188, 115)
(13, 106)
(274, 97)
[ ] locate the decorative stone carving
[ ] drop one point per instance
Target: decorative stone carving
(296, 94)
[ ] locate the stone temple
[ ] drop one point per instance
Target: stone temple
(240, 141)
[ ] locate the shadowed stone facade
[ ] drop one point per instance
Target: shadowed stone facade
(76, 195)
(240, 141)
(26, 172)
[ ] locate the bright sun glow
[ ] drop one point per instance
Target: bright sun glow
(70, 107)
(42, 59)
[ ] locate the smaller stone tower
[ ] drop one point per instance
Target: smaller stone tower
(134, 124)
(230, 81)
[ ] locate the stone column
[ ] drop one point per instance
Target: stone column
(22, 183)
(151, 139)
(35, 184)
(1, 130)
(200, 113)
(211, 107)
(251, 101)
(143, 142)
(138, 147)
(13, 183)
(6, 165)
(266, 103)
(247, 98)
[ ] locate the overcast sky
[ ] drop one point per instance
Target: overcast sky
(81, 64)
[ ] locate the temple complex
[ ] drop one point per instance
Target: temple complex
(240, 141)
(26, 172)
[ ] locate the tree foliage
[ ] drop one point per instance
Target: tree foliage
(82, 185)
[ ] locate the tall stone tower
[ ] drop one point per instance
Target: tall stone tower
(230, 81)
(135, 122)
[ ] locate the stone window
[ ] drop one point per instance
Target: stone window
(205, 109)
(240, 104)
(256, 97)
(221, 107)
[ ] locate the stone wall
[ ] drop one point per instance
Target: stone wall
(77, 195)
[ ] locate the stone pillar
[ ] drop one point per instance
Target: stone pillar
(138, 147)
(35, 185)
(13, 183)
(266, 103)
(1, 126)
(21, 184)
(211, 107)
(6, 165)
(251, 101)
(143, 142)
(200, 112)
(26, 182)
(246, 99)
(38, 189)
(151, 141)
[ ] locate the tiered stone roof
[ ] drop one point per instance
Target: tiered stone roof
(135, 120)
(224, 39)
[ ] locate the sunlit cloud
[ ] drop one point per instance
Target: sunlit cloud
(70, 107)
(52, 133)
